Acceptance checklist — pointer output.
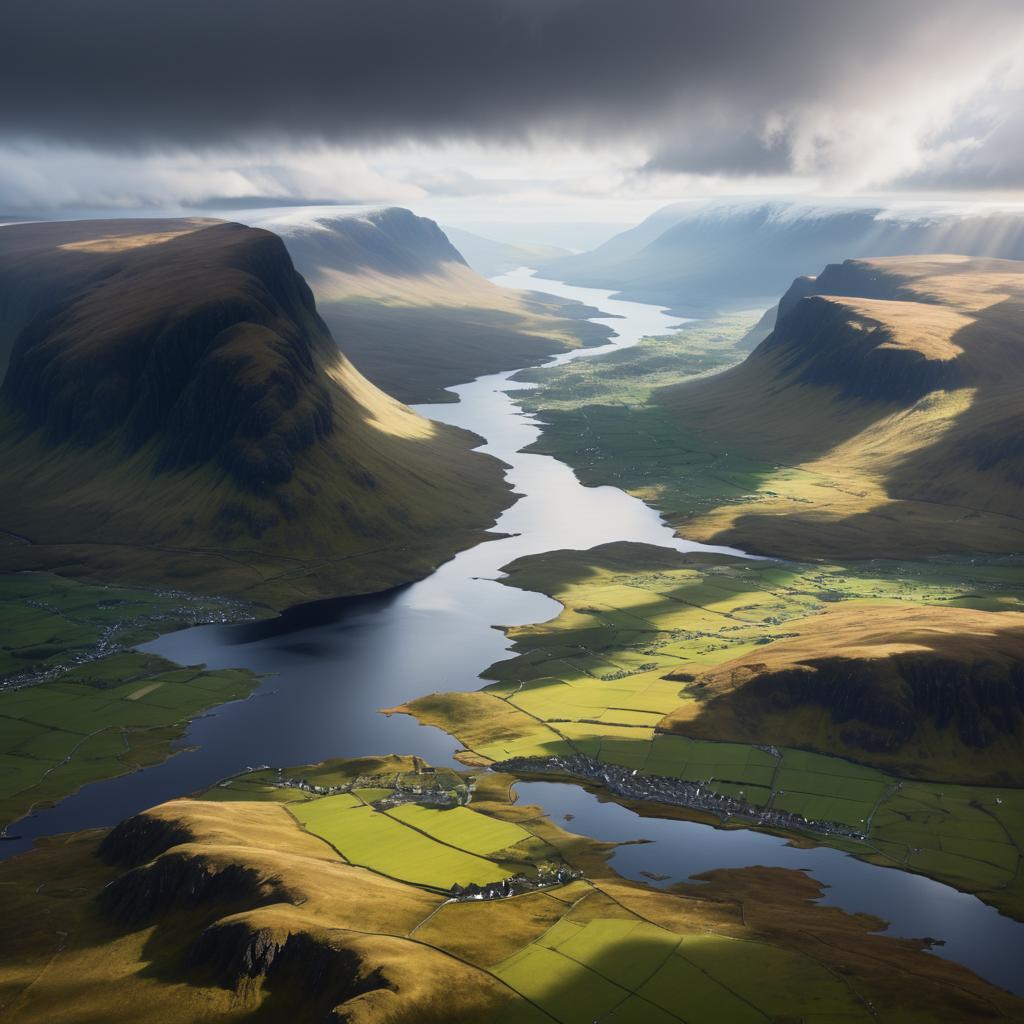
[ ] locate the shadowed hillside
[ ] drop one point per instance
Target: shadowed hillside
(175, 410)
(884, 411)
(414, 318)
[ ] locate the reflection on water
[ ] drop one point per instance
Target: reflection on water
(915, 907)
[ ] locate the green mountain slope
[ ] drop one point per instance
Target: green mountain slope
(176, 411)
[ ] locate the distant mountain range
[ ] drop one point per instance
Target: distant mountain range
(696, 258)
(407, 309)
(175, 411)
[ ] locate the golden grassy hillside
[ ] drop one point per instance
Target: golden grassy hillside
(176, 411)
(229, 911)
(928, 691)
(889, 415)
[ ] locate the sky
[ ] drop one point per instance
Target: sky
(475, 111)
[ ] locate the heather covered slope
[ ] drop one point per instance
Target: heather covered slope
(176, 411)
(402, 303)
(884, 413)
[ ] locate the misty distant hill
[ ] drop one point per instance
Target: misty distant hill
(490, 258)
(175, 411)
(404, 305)
(697, 258)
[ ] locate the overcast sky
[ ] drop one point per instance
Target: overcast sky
(507, 109)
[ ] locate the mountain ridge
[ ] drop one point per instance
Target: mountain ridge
(182, 399)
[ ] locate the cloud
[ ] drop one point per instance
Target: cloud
(38, 176)
(850, 94)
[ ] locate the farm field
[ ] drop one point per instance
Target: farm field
(391, 846)
(47, 622)
(97, 720)
(76, 703)
(639, 972)
(592, 681)
(748, 944)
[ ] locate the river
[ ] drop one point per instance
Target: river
(329, 668)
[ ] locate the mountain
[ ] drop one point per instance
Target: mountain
(175, 410)
(490, 258)
(415, 319)
(883, 414)
(701, 257)
(928, 692)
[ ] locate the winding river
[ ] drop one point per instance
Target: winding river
(329, 667)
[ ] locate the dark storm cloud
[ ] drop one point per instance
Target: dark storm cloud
(145, 73)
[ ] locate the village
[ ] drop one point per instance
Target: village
(662, 789)
(424, 785)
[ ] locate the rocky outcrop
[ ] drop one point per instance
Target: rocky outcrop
(178, 880)
(822, 342)
(139, 839)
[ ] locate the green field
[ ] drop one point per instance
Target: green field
(601, 417)
(398, 848)
(75, 705)
(461, 827)
(636, 972)
(592, 681)
(102, 719)
(47, 622)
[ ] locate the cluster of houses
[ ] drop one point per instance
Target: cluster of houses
(547, 877)
(429, 790)
(632, 784)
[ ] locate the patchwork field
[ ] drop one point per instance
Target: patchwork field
(47, 622)
(75, 705)
(593, 681)
(397, 845)
(282, 926)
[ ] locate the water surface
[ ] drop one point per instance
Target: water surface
(329, 668)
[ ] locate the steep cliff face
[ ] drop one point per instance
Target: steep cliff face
(392, 241)
(402, 303)
(172, 388)
(824, 342)
(223, 364)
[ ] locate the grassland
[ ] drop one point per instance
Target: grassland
(76, 705)
(101, 719)
(301, 481)
(642, 627)
(48, 622)
(230, 909)
(861, 428)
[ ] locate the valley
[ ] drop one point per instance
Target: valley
(632, 614)
(512, 512)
